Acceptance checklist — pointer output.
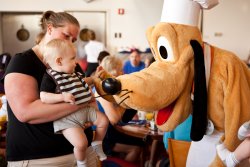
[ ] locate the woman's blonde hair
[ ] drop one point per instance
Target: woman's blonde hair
(112, 65)
(56, 47)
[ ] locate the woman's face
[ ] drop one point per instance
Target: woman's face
(68, 32)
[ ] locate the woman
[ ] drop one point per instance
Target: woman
(115, 141)
(30, 136)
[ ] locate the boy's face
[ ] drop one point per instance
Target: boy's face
(68, 61)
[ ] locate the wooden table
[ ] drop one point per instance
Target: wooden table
(151, 137)
(154, 138)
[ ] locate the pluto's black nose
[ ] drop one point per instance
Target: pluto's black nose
(111, 86)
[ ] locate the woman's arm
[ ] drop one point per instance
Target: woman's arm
(23, 97)
(115, 113)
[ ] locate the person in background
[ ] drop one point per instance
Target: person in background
(101, 56)
(248, 61)
(31, 140)
(4, 61)
(80, 45)
(148, 61)
(71, 87)
(92, 49)
(115, 141)
(3, 126)
(134, 63)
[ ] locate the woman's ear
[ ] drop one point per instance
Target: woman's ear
(59, 61)
(49, 28)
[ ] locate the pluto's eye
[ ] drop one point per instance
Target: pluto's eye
(164, 49)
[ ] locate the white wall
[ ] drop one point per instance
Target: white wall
(139, 15)
(228, 26)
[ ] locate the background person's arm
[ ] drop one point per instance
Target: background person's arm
(113, 111)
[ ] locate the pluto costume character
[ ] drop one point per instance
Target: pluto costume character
(185, 65)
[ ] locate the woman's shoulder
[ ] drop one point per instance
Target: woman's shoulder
(26, 62)
(28, 52)
(27, 56)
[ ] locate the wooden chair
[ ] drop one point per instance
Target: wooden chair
(178, 151)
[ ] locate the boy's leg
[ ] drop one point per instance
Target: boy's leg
(242, 152)
(227, 157)
(244, 130)
(97, 146)
(77, 138)
(101, 123)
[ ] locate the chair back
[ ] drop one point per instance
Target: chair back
(178, 151)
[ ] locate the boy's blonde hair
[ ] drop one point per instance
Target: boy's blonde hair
(55, 48)
(112, 65)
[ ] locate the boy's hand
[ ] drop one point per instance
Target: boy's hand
(68, 97)
(87, 125)
(99, 72)
(102, 74)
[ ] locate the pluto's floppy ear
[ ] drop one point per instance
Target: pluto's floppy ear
(199, 123)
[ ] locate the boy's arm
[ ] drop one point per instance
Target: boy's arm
(100, 73)
(47, 89)
(56, 98)
(89, 80)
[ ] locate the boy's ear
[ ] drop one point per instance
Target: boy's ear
(59, 61)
